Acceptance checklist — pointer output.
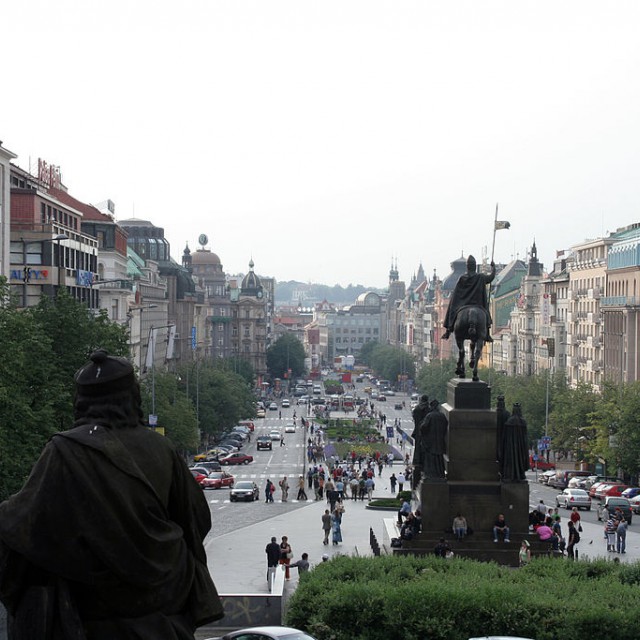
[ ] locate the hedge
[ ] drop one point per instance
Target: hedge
(429, 598)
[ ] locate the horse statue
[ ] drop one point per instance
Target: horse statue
(470, 324)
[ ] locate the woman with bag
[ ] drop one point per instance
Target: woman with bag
(285, 556)
(575, 518)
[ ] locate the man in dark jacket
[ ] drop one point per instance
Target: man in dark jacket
(273, 558)
(105, 539)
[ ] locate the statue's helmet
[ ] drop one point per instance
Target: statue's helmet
(471, 263)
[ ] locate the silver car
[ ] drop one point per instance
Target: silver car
(570, 498)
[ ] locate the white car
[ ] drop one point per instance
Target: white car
(275, 434)
(273, 407)
(290, 428)
(286, 403)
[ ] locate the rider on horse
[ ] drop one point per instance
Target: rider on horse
(471, 290)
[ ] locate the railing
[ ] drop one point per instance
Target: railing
(620, 301)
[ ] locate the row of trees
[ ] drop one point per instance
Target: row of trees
(42, 347)
(595, 427)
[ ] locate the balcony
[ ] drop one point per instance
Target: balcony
(620, 301)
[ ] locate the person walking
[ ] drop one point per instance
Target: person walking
(302, 494)
(573, 537)
(268, 491)
(621, 536)
(336, 528)
(401, 481)
(326, 525)
(282, 439)
(127, 558)
(393, 480)
(273, 558)
(285, 556)
(610, 533)
(284, 487)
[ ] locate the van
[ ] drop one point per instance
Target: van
(561, 479)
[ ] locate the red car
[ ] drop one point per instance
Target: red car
(236, 458)
(219, 480)
(610, 490)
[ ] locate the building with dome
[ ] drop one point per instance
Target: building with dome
(207, 272)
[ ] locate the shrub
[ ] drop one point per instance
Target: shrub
(369, 598)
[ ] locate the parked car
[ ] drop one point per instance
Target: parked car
(244, 490)
(570, 498)
(236, 458)
(264, 442)
(610, 490)
(578, 483)
(247, 423)
(382, 397)
(209, 465)
(544, 478)
(635, 504)
(206, 454)
(203, 478)
(231, 445)
(561, 479)
(286, 403)
(540, 464)
(275, 434)
(290, 428)
(612, 503)
(397, 405)
(269, 633)
(631, 492)
(221, 479)
(260, 413)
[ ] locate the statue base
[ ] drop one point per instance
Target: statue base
(473, 487)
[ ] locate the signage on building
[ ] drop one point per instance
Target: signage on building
(29, 274)
(84, 278)
(546, 309)
(193, 338)
(49, 174)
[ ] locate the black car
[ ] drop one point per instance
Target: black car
(264, 442)
(244, 490)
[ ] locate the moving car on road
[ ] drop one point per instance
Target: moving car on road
(244, 490)
(236, 458)
(264, 442)
(273, 407)
(275, 434)
(290, 428)
(220, 480)
(286, 403)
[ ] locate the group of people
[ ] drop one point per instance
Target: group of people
(615, 530)
(546, 523)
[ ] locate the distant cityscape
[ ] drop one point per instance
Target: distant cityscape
(580, 316)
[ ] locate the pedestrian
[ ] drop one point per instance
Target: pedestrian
(273, 558)
(279, 415)
(268, 491)
(370, 486)
(542, 507)
(524, 555)
(302, 564)
(284, 487)
(125, 542)
(610, 533)
(442, 549)
(621, 536)
(393, 481)
(336, 528)
(302, 494)
(354, 486)
(575, 518)
(459, 526)
(326, 525)
(282, 439)
(573, 537)
(403, 512)
(285, 556)
(401, 481)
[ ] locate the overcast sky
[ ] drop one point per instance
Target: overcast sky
(325, 139)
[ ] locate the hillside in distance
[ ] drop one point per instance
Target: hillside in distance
(308, 294)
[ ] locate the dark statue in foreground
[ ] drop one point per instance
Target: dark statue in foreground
(105, 539)
(468, 315)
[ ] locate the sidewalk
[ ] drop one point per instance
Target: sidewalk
(238, 563)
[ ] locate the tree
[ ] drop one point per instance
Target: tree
(368, 348)
(432, 378)
(287, 352)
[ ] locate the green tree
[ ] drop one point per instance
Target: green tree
(432, 378)
(368, 348)
(287, 352)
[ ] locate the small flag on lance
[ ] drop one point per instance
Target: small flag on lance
(502, 224)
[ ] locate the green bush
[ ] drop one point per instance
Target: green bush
(352, 598)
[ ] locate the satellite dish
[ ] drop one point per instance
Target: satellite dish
(202, 239)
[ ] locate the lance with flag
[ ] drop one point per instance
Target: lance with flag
(497, 225)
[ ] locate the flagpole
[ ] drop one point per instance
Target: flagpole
(493, 245)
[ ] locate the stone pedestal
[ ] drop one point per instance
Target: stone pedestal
(473, 487)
